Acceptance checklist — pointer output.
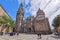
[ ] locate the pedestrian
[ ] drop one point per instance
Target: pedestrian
(39, 35)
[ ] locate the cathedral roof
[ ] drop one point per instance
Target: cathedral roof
(4, 11)
(20, 7)
(40, 12)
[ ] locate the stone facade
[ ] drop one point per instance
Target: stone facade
(3, 13)
(41, 23)
(37, 24)
(19, 18)
(32, 24)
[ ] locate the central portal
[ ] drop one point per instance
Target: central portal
(29, 29)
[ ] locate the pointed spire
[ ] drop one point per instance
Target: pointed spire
(21, 4)
(40, 12)
(20, 7)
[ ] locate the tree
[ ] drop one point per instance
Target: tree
(56, 22)
(6, 21)
(2, 22)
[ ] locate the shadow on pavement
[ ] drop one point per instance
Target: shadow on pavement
(56, 37)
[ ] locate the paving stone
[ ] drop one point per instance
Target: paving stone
(28, 37)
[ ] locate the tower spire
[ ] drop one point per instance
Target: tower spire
(40, 12)
(20, 7)
(19, 18)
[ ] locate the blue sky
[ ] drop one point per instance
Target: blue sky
(11, 7)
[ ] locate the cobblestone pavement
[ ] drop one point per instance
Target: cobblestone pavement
(29, 37)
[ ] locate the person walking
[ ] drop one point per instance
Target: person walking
(39, 35)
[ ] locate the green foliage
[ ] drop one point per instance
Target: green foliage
(7, 21)
(56, 21)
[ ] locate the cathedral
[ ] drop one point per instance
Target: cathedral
(41, 23)
(32, 24)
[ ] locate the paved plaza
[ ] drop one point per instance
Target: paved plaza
(29, 37)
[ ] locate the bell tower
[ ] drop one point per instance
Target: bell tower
(40, 15)
(41, 23)
(19, 18)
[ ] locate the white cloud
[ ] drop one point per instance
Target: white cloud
(50, 7)
(26, 1)
(53, 16)
(44, 3)
(34, 6)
